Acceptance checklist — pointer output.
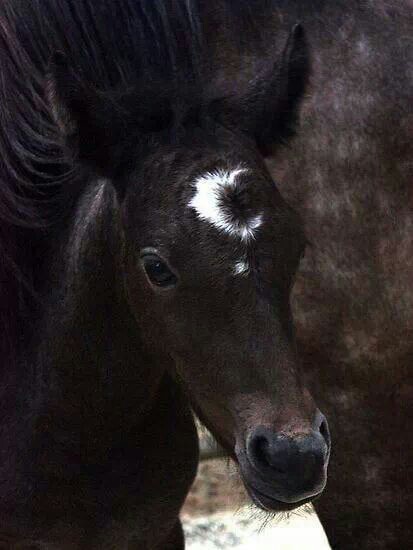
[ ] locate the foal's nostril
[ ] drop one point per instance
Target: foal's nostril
(270, 452)
(321, 425)
(324, 431)
(258, 448)
(273, 451)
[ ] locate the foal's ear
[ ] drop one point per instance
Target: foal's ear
(86, 124)
(267, 109)
(277, 114)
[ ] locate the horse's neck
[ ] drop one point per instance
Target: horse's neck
(94, 351)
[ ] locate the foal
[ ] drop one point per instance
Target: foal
(156, 270)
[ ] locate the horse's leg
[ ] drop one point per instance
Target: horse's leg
(367, 504)
(176, 539)
(151, 475)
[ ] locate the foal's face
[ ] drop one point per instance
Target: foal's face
(211, 249)
(211, 252)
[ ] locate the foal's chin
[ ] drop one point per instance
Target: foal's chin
(282, 495)
(272, 504)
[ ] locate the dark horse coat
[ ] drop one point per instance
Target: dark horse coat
(148, 263)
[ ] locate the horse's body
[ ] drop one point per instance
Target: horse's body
(98, 446)
(349, 173)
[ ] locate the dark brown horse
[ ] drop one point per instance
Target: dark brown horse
(148, 263)
(349, 174)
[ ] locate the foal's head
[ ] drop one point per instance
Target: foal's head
(211, 250)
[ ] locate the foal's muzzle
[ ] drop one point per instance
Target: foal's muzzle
(285, 468)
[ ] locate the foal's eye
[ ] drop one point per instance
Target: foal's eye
(158, 271)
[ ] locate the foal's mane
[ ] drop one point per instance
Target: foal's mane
(113, 44)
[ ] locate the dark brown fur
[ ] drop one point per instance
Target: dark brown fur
(349, 174)
(98, 446)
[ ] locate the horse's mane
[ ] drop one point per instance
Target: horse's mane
(112, 43)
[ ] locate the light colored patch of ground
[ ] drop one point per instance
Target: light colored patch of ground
(242, 532)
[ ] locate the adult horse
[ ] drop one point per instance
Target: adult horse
(150, 260)
(348, 172)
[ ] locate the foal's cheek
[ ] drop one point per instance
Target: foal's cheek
(139, 295)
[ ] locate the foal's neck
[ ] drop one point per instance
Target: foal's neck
(101, 368)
